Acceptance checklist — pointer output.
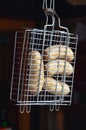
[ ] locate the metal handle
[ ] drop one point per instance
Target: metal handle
(48, 4)
(48, 7)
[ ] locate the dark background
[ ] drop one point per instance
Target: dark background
(32, 9)
(75, 115)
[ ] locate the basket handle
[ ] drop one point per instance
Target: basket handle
(49, 10)
(48, 4)
(48, 7)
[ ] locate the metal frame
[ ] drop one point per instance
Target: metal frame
(36, 39)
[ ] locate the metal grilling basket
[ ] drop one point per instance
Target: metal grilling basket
(43, 64)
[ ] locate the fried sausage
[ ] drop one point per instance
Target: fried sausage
(36, 72)
(58, 52)
(58, 67)
(56, 87)
(52, 86)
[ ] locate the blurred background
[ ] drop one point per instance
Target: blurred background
(15, 14)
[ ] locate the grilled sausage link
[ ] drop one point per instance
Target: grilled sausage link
(61, 67)
(58, 52)
(56, 87)
(36, 72)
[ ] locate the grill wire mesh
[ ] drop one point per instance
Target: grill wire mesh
(44, 64)
(24, 68)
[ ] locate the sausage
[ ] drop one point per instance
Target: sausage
(52, 85)
(58, 52)
(65, 88)
(59, 67)
(36, 72)
(56, 87)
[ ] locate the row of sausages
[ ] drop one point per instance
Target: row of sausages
(56, 60)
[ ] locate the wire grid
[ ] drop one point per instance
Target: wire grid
(34, 39)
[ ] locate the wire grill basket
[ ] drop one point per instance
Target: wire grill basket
(43, 66)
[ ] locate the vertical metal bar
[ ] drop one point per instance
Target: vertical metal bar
(20, 73)
(23, 86)
(22, 108)
(11, 90)
(74, 67)
(48, 4)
